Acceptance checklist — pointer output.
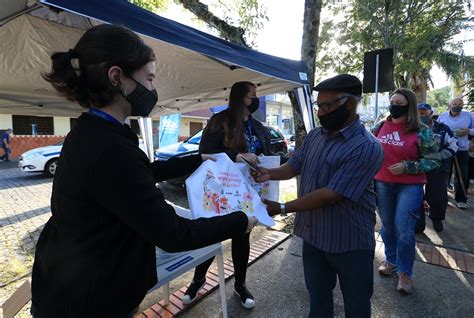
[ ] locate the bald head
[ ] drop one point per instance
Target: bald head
(456, 102)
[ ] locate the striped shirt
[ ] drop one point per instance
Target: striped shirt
(345, 163)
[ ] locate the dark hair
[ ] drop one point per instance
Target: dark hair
(81, 74)
(413, 122)
(231, 119)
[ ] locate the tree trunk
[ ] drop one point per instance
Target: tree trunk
(419, 85)
(227, 31)
(312, 14)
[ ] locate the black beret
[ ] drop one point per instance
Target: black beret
(341, 83)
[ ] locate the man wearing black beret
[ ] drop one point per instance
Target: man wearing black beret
(336, 203)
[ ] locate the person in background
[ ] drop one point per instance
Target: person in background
(461, 124)
(335, 209)
(95, 257)
(409, 151)
(235, 132)
(436, 189)
(6, 145)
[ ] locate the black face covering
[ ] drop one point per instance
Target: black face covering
(335, 120)
(254, 105)
(398, 111)
(142, 100)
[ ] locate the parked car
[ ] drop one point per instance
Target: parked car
(45, 159)
(190, 146)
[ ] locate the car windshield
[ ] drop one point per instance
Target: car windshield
(196, 139)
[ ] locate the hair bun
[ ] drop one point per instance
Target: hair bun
(72, 54)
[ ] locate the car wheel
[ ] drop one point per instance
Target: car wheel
(50, 167)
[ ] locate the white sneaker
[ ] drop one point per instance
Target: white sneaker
(462, 205)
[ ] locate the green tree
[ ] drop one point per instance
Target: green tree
(238, 20)
(419, 31)
(439, 98)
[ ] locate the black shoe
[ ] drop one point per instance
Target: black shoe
(191, 293)
(438, 225)
(246, 298)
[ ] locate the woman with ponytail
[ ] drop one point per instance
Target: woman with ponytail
(96, 255)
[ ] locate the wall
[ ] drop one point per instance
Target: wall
(23, 143)
(184, 127)
(5, 122)
(62, 126)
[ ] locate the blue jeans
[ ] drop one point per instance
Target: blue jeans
(354, 270)
(399, 206)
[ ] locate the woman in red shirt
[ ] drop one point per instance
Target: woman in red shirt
(409, 151)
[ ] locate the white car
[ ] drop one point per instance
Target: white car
(45, 159)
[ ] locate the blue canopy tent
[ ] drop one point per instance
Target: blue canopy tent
(195, 70)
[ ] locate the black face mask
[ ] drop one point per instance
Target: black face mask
(335, 120)
(397, 111)
(254, 105)
(142, 100)
(456, 109)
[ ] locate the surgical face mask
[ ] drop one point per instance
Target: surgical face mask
(456, 109)
(254, 105)
(142, 100)
(425, 119)
(335, 120)
(397, 111)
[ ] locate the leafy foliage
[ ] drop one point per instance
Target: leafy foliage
(151, 5)
(439, 98)
(420, 32)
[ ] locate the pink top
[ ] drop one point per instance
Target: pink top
(398, 146)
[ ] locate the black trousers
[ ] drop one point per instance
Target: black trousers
(240, 258)
(436, 194)
(463, 159)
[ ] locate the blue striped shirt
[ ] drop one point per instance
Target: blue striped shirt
(345, 163)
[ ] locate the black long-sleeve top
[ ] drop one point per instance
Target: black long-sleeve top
(96, 255)
(212, 140)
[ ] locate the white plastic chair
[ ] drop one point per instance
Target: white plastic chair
(180, 263)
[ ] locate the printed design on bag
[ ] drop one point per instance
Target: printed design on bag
(246, 204)
(218, 202)
(261, 188)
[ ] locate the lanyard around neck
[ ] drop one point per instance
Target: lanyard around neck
(98, 113)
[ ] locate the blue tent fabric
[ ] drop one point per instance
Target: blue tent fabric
(121, 12)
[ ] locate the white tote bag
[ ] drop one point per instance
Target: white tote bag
(219, 188)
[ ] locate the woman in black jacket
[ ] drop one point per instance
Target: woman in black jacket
(96, 255)
(236, 133)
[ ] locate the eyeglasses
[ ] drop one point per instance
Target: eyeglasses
(326, 106)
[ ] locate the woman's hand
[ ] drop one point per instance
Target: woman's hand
(397, 169)
(251, 157)
(208, 157)
(251, 224)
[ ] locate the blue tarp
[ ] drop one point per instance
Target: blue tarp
(144, 22)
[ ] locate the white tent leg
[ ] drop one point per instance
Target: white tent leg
(146, 130)
(305, 101)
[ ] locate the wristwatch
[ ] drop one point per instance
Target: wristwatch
(282, 209)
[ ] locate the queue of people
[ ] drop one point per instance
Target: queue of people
(108, 215)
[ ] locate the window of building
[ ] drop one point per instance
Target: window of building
(72, 122)
(32, 125)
